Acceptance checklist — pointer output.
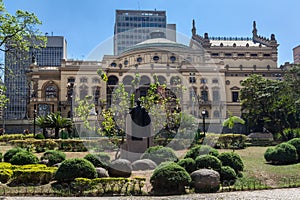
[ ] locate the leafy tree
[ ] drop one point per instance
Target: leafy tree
(114, 118)
(53, 120)
(268, 101)
(18, 32)
(42, 123)
(56, 121)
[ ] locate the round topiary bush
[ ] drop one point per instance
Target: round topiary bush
(282, 154)
(98, 160)
(296, 143)
(200, 150)
(53, 157)
(169, 178)
(227, 175)
(75, 168)
(160, 154)
(120, 168)
(24, 158)
(208, 162)
(10, 153)
(232, 160)
(188, 164)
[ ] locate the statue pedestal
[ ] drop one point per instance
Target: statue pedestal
(136, 140)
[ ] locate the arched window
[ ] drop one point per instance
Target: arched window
(96, 80)
(96, 93)
(175, 80)
(83, 91)
(113, 80)
(83, 80)
(145, 80)
(216, 114)
(51, 91)
(162, 80)
(127, 80)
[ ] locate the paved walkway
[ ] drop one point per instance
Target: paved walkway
(276, 194)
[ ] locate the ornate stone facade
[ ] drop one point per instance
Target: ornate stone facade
(211, 69)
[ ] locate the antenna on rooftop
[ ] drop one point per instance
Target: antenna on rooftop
(139, 5)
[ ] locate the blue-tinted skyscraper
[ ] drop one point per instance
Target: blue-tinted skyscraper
(135, 26)
(17, 64)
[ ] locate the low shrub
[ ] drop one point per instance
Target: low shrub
(159, 154)
(208, 162)
(5, 175)
(169, 179)
(39, 136)
(111, 186)
(9, 137)
(296, 143)
(227, 175)
(24, 158)
(201, 150)
(53, 157)
(229, 141)
(232, 160)
(290, 133)
(75, 168)
(5, 165)
(99, 159)
(282, 154)
(188, 164)
(32, 176)
(11, 152)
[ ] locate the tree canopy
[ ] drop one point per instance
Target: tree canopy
(18, 33)
(271, 103)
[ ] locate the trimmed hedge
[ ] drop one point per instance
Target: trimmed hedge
(232, 160)
(208, 162)
(11, 152)
(227, 175)
(53, 157)
(99, 159)
(10, 137)
(282, 154)
(33, 174)
(159, 154)
(24, 158)
(296, 143)
(112, 186)
(170, 178)
(188, 164)
(5, 175)
(69, 145)
(200, 150)
(75, 168)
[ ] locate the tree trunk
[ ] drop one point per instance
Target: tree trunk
(56, 133)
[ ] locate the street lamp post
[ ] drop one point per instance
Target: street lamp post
(34, 116)
(204, 113)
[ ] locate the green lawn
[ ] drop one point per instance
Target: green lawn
(270, 175)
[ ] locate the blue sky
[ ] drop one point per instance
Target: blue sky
(87, 23)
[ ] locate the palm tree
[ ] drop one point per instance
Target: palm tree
(56, 121)
(42, 123)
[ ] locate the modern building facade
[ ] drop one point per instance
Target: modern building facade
(17, 65)
(296, 54)
(134, 26)
(210, 68)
